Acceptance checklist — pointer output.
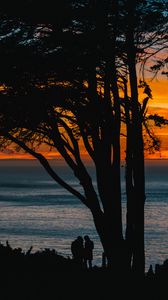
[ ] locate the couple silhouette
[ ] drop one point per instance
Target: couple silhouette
(82, 251)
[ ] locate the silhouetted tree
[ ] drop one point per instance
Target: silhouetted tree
(139, 37)
(72, 114)
(67, 73)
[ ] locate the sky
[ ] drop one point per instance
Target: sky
(158, 105)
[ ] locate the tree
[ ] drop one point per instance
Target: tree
(61, 120)
(70, 91)
(139, 37)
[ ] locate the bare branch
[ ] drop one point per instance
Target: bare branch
(47, 166)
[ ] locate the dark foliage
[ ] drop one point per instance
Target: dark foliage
(46, 274)
(15, 259)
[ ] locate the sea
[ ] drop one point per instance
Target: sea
(36, 211)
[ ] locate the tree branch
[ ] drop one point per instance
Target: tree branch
(46, 166)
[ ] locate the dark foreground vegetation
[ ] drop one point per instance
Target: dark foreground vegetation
(47, 275)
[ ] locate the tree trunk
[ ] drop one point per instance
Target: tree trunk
(112, 246)
(129, 234)
(138, 152)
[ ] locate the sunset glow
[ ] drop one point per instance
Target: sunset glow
(157, 105)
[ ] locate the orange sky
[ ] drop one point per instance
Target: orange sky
(159, 105)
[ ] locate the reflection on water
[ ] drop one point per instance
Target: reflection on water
(36, 211)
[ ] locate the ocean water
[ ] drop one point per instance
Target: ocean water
(36, 211)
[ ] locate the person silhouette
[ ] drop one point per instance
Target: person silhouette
(88, 252)
(77, 250)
